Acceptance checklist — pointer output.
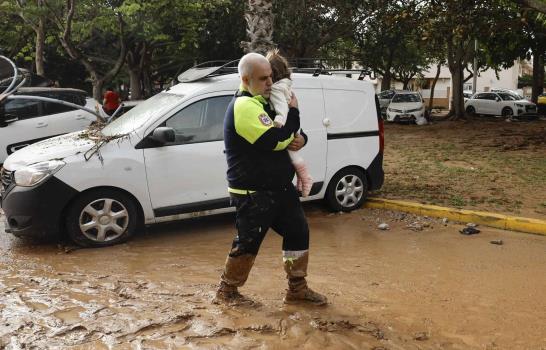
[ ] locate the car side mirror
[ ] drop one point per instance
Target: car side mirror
(163, 135)
(497, 99)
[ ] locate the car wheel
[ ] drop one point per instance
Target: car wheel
(101, 218)
(470, 111)
(347, 190)
(507, 112)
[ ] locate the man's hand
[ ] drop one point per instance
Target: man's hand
(297, 143)
(293, 101)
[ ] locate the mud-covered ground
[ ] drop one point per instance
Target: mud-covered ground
(486, 164)
(418, 285)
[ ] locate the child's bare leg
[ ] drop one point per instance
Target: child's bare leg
(303, 174)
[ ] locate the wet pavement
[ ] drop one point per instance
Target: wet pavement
(418, 285)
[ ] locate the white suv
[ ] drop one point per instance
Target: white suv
(163, 160)
(23, 122)
(499, 103)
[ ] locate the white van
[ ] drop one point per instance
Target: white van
(163, 160)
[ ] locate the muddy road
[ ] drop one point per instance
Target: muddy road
(418, 285)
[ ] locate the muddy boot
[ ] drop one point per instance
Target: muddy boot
(235, 275)
(298, 291)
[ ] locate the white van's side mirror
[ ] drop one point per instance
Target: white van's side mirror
(163, 135)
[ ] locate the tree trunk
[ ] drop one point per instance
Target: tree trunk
(97, 89)
(431, 98)
(259, 18)
(538, 75)
(40, 43)
(135, 84)
(386, 81)
(458, 101)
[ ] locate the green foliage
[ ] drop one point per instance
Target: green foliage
(302, 28)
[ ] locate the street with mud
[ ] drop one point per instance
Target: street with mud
(419, 285)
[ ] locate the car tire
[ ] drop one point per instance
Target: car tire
(507, 112)
(471, 111)
(101, 217)
(347, 190)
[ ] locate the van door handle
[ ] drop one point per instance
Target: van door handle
(41, 125)
(326, 122)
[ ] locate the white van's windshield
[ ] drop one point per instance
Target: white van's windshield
(137, 116)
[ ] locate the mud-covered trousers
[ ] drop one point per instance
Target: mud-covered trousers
(256, 213)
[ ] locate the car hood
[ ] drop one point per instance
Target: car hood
(406, 105)
(54, 148)
(524, 102)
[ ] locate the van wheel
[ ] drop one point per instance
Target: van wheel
(347, 190)
(470, 111)
(101, 218)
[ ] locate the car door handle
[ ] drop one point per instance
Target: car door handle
(326, 122)
(41, 125)
(80, 117)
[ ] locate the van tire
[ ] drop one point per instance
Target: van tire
(347, 190)
(88, 210)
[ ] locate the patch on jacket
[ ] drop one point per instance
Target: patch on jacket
(265, 120)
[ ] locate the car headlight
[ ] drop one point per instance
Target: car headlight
(414, 110)
(32, 175)
(519, 105)
(395, 110)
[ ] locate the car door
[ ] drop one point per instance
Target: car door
(492, 104)
(25, 125)
(477, 102)
(190, 174)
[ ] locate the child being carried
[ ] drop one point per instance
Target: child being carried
(281, 93)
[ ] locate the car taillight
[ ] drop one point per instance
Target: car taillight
(381, 135)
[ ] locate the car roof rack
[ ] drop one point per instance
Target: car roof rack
(312, 66)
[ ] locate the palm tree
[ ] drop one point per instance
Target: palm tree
(259, 19)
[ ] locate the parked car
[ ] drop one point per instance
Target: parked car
(406, 106)
(23, 122)
(504, 104)
(163, 160)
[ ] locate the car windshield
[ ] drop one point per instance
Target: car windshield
(137, 116)
(406, 98)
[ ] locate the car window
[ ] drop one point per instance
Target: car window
(201, 121)
(491, 97)
(479, 97)
(406, 98)
(22, 109)
(507, 97)
(54, 108)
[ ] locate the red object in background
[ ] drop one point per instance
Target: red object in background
(111, 100)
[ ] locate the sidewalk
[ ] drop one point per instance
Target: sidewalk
(505, 222)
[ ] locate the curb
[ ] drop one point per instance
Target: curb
(505, 222)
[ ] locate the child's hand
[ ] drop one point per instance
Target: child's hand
(293, 101)
(297, 143)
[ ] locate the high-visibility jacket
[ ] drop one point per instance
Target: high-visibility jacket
(255, 150)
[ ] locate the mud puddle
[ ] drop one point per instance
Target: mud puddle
(418, 285)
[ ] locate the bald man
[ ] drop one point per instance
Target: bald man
(259, 176)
